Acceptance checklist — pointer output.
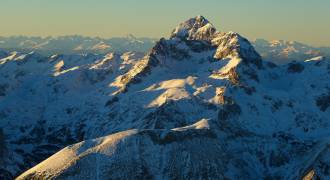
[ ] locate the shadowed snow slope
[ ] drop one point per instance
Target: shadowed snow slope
(203, 105)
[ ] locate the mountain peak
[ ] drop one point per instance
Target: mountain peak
(197, 28)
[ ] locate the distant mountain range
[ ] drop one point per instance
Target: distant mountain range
(281, 52)
(75, 44)
(277, 51)
(201, 104)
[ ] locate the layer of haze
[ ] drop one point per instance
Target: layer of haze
(301, 20)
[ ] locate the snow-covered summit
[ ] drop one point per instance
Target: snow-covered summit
(197, 42)
(228, 44)
(198, 28)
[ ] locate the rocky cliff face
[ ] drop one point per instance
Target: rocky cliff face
(199, 105)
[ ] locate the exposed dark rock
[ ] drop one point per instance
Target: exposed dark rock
(276, 105)
(295, 67)
(112, 101)
(249, 90)
(3, 147)
(271, 65)
(229, 111)
(163, 138)
(278, 158)
(168, 115)
(3, 89)
(323, 101)
(199, 46)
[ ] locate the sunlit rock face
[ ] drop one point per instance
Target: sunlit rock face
(199, 105)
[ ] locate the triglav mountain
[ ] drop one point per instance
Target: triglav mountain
(202, 104)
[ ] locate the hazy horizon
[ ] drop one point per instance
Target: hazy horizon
(298, 20)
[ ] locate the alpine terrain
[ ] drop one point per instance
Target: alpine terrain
(201, 104)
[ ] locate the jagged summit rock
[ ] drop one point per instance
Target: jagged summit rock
(198, 28)
(228, 44)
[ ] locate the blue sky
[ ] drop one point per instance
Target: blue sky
(302, 20)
